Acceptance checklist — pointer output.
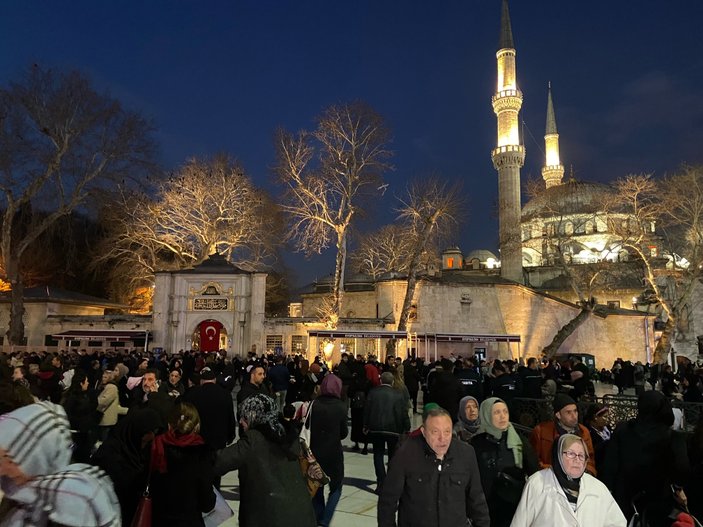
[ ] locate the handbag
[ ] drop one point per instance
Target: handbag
(314, 476)
(509, 487)
(305, 431)
(142, 516)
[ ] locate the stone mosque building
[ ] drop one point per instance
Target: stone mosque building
(509, 306)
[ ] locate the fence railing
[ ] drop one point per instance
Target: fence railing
(526, 413)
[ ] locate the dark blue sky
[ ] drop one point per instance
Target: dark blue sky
(222, 75)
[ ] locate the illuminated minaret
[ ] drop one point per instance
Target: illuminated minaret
(509, 155)
(553, 170)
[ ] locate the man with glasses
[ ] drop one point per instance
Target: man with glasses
(566, 421)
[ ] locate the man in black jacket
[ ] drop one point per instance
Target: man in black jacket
(214, 404)
(385, 418)
(433, 480)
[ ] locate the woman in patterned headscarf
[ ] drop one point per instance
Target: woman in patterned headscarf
(41, 485)
(271, 485)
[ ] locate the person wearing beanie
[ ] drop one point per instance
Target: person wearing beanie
(385, 419)
(566, 421)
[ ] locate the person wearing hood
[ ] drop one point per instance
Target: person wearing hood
(328, 426)
(433, 479)
(272, 488)
(644, 458)
(505, 460)
(468, 420)
(565, 494)
(40, 485)
(124, 457)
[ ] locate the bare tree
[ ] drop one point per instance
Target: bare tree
(389, 249)
(327, 174)
(207, 206)
(431, 208)
(59, 139)
(672, 256)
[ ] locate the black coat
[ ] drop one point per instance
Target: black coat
(218, 425)
(386, 411)
(328, 426)
(411, 377)
(494, 456)
(81, 410)
(447, 391)
(424, 495)
(184, 492)
(645, 457)
(271, 485)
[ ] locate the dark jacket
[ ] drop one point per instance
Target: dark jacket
(645, 457)
(247, 390)
(328, 426)
(82, 410)
(271, 486)
(386, 411)
(425, 495)
(502, 493)
(184, 492)
(447, 391)
(218, 425)
(279, 377)
(410, 376)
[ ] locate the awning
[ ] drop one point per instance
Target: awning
(359, 334)
(462, 337)
(105, 334)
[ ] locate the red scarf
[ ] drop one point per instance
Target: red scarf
(158, 453)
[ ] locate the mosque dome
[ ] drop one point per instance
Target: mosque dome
(482, 255)
(570, 197)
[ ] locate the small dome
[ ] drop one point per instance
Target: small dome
(452, 250)
(571, 197)
(481, 254)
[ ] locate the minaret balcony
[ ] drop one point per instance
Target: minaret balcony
(507, 100)
(508, 156)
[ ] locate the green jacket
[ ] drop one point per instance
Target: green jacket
(271, 485)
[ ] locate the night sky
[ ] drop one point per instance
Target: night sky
(221, 76)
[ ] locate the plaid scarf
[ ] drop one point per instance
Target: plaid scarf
(38, 478)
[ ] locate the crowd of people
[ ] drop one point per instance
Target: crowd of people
(175, 424)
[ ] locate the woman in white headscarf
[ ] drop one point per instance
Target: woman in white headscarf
(42, 488)
(564, 494)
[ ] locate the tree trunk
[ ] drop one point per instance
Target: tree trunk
(565, 332)
(15, 333)
(661, 352)
(338, 285)
(412, 276)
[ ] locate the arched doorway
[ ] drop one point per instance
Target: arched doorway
(209, 335)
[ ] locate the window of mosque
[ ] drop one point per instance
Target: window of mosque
(614, 304)
(297, 344)
(653, 251)
(580, 228)
(450, 263)
(274, 343)
(569, 228)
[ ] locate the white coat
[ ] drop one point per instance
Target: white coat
(544, 504)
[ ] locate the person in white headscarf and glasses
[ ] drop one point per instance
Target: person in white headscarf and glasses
(41, 487)
(564, 494)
